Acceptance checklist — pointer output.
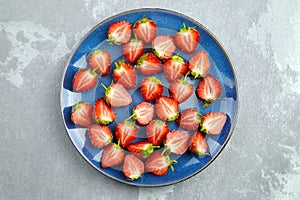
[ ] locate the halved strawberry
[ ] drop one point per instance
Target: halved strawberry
(157, 131)
(213, 122)
(199, 64)
(100, 59)
(209, 89)
(187, 39)
(149, 64)
(175, 68)
(103, 113)
(145, 29)
(151, 88)
(133, 168)
(163, 46)
(166, 108)
(181, 90)
(119, 32)
(133, 50)
(158, 164)
(189, 119)
(100, 135)
(126, 131)
(125, 74)
(198, 144)
(143, 113)
(116, 95)
(84, 79)
(142, 148)
(112, 155)
(177, 142)
(81, 114)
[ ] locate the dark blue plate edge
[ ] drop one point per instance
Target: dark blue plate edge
(233, 122)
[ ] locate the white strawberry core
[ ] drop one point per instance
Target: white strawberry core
(144, 30)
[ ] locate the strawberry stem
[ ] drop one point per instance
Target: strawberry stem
(117, 145)
(105, 88)
(184, 26)
(166, 150)
(207, 104)
(206, 154)
(203, 129)
(171, 162)
(149, 150)
(199, 118)
(172, 168)
(186, 75)
(177, 58)
(130, 117)
(117, 65)
(95, 69)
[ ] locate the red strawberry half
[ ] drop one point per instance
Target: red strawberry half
(119, 32)
(199, 64)
(133, 168)
(142, 149)
(151, 88)
(81, 114)
(126, 132)
(213, 122)
(103, 113)
(163, 46)
(159, 164)
(143, 113)
(100, 59)
(166, 108)
(84, 79)
(145, 29)
(112, 155)
(209, 89)
(116, 95)
(189, 119)
(187, 39)
(100, 135)
(181, 90)
(198, 144)
(175, 68)
(125, 74)
(157, 131)
(177, 142)
(133, 50)
(149, 64)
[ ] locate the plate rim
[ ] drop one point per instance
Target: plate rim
(169, 11)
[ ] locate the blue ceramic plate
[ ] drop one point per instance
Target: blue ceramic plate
(168, 23)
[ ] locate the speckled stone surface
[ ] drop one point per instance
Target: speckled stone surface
(262, 159)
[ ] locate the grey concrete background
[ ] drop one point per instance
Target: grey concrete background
(261, 161)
